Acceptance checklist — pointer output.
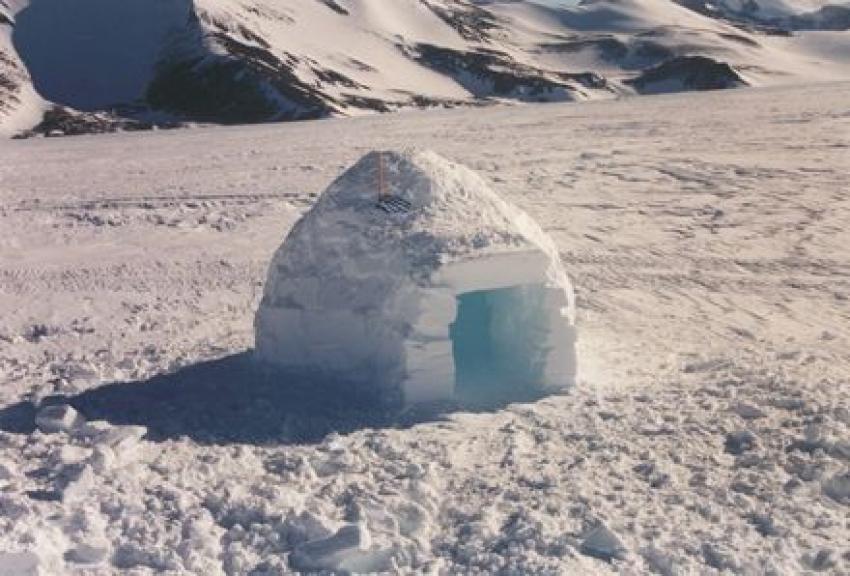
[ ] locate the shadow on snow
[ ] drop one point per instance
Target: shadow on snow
(231, 400)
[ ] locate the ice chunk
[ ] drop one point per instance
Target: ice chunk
(838, 487)
(412, 519)
(305, 527)
(748, 411)
(603, 544)
(79, 485)
(741, 441)
(58, 418)
(346, 551)
(102, 459)
(7, 470)
(121, 437)
(88, 553)
(114, 445)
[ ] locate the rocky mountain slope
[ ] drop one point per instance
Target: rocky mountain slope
(137, 63)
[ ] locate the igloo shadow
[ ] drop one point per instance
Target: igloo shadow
(232, 400)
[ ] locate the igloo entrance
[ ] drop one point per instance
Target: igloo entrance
(499, 339)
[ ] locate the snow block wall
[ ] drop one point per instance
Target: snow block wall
(457, 295)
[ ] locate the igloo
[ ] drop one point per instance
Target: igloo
(411, 277)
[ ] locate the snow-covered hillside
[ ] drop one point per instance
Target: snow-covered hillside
(20, 105)
(706, 236)
(778, 15)
(133, 63)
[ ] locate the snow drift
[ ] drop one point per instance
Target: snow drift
(459, 295)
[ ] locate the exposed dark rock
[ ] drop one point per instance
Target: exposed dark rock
(608, 47)
(586, 79)
(487, 73)
(60, 121)
(248, 35)
(6, 83)
(739, 39)
(421, 101)
(473, 23)
(362, 66)
(305, 100)
(636, 53)
(687, 73)
(366, 103)
(333, 77)
(11, 79)
(250, 84)
(334, 5)
(209, 91)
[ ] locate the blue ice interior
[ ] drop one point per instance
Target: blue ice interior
(499, 343)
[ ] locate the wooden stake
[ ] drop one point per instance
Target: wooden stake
(382, 185)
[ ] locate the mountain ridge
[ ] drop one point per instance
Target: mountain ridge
(139, 64)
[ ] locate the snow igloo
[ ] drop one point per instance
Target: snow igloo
(412, 278)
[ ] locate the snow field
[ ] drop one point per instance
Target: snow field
(706, 238)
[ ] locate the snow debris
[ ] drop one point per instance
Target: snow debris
(348, 550)
(748, 411)
(660, 562)
(838, 487)
(602, 543)
(765, 524)
(305, 527)
(719, 557)
(741, 441)
(58, 418)
(88, 553)
(820, 561)
(79, 484)
(7, 470)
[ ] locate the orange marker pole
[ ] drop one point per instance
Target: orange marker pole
(382, 192)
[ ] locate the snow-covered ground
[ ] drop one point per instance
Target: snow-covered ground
(706, 235)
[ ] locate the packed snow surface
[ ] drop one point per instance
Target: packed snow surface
(374, 286)
(706, 237)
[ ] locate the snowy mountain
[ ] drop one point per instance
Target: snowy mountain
(781, 15)
(135, 63)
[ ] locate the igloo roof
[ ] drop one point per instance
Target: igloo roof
(453, 215)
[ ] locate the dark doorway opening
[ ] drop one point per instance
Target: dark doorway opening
(500, 345)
